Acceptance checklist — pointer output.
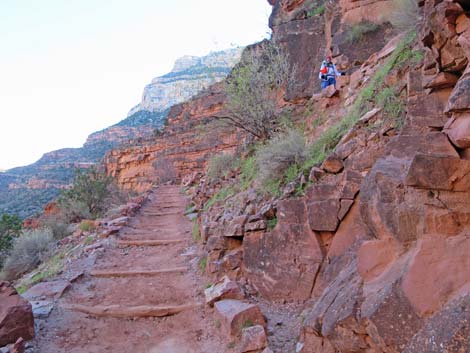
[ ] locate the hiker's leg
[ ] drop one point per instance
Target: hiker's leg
(333, 82)
(324, 84)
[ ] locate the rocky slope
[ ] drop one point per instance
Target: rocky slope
(25, 190)
(374, 255)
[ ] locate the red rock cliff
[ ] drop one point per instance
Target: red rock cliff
(190, 138)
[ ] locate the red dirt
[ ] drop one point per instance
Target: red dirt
(191, 331)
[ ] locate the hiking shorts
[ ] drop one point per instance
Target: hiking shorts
(328, 82)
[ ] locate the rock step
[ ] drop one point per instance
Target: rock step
(111, 273)
(149, 242)
(159, 214)
(120, 311)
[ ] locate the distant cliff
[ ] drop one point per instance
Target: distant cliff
(25, 190)
(190, 74)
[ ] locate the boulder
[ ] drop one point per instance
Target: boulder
(462, 23)
(282, 264)
(235, 315)
(332, 164)
(51, 289)
(236, 227)
(16, 316)
(458, 130)
(330, 91)
(442, 80)
(316, 174)
(460, 99)
(224, 289)
(253, 339)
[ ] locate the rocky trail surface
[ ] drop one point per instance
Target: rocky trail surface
(143, 293)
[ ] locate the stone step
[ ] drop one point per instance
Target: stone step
(149, 242)
(117, 273)
(120, 311)
(160, 214)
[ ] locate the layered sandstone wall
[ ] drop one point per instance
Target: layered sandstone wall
(191, 136)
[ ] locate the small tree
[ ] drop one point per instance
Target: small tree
(10, 228)
(252, 88)
(89, 194)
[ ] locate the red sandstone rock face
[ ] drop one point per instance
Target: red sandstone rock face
(185, 148)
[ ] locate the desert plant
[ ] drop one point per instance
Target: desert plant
(252, 87)
(318, 9)
(280, 153)
(29, 250)
(10, 228)
(86, 225)
(406, 15)
(89, 193)
(58, 225)
(164, 170)
(196, 232)
(359, 30)
(220, 165)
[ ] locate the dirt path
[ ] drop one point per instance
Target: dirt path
(98, 313)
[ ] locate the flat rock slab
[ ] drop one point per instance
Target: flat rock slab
(149, 242)
(253, 339)
(129, 311)
(236, 314)
(52, 289)
(42, 308)
(225, 289)
(114, 273)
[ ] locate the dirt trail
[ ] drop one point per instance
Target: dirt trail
(121, 292)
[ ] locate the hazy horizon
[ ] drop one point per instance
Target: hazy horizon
(71, 69)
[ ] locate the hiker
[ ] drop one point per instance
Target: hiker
(328, 73)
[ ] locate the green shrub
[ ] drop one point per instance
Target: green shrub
(248, 172)
(278, 156)
(358, 31)
(89, 196)
(86, 225)
(272, 223)
(196, 231)
(220, 165)
(203, 263)
(29, 250)
(317, 10)
(221, 195)
(10, 228)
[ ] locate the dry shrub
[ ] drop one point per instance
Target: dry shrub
(29, 250)
(58, 224)
(164, 171)
(252, 87)
(280, 153)
(220, 165)
(406, 15)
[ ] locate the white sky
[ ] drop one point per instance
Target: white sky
(72, 67)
